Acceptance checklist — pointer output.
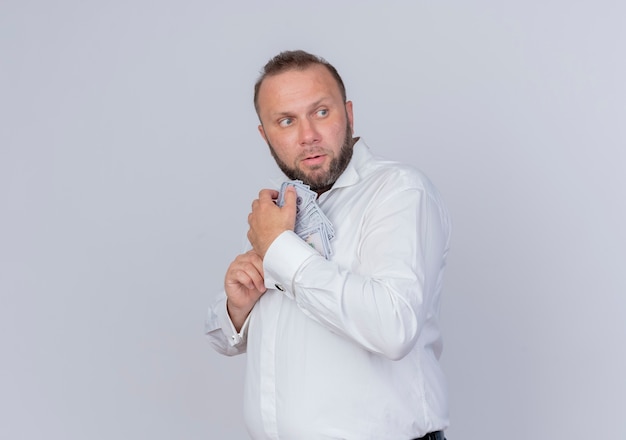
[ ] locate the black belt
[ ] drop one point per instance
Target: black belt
(437, 435)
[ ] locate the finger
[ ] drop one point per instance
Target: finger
(259, 281)
(268, 195)
(245, 274)
(290, 199)
(244, 271)
(254, 277)
(242, 278)
(256, 261)
(290, 193)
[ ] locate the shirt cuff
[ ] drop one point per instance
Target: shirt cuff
(283, 259)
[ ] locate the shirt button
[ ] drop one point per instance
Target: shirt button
(279, 287)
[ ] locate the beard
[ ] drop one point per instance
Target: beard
(318, 179)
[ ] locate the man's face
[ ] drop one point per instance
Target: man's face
(307, 125)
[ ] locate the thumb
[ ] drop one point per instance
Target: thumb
(291, 204)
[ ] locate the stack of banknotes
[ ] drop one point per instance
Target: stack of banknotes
(312, 225)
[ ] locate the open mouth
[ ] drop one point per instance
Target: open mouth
(314, 160)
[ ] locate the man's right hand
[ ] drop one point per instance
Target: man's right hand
(244, 285)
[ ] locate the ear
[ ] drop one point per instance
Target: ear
(262, 132)
(350, 115)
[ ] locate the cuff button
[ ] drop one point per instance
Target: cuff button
(279, 287)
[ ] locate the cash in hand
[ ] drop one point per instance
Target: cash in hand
(312, 225)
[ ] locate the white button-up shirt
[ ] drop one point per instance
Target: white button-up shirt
(348, 348)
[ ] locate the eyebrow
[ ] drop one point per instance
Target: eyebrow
(312, 106)
(318, 102)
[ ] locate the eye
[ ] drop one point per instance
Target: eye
(285, 122)
(322, 112)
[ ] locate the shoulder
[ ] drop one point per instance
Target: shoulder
(398, 175)
(386, 177)
(389, 181)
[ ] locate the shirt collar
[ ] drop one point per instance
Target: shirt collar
(361, 154)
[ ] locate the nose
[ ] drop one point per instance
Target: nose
(309, 134)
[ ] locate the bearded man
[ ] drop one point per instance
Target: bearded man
(344, 346)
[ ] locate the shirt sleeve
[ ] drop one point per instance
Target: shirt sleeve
(221, 332)
(383, 298)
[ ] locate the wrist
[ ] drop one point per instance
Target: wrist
(237, 315)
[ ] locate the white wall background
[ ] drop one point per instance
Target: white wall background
(129, 157)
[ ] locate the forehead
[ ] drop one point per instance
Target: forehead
(310, 83)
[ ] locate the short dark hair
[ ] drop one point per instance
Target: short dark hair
(294, 60)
